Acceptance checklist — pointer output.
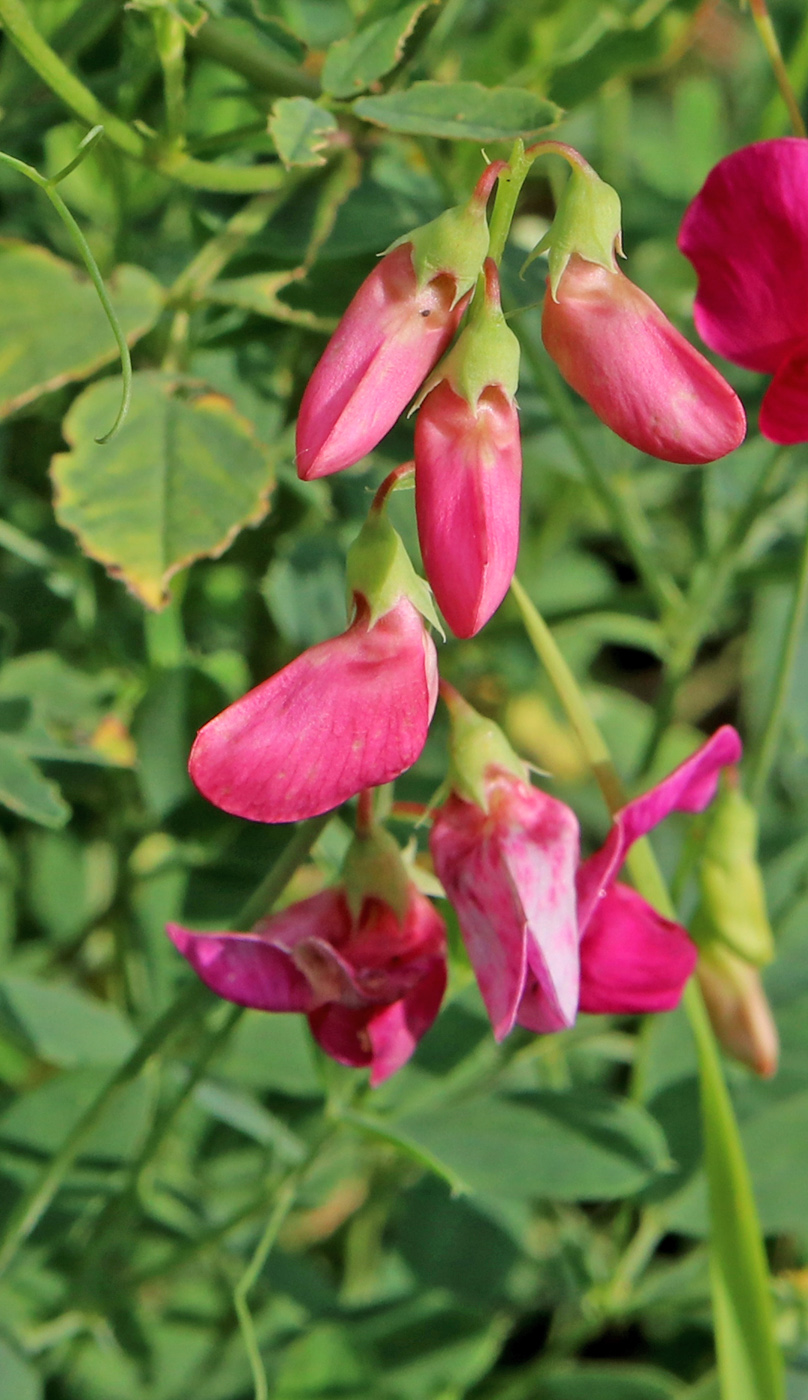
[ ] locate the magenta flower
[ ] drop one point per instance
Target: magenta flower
(394, 331)
(348, 714)
(615, 347)
(746, 234)
(370, 984)
(544, 933)
(468, 469)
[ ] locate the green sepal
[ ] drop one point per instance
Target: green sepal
(587, 222)
(475, 745)
(380, 568)
(732, 907)
(374, 868)
(455, 243)
(486, 353)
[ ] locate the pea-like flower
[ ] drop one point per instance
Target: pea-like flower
(468, 468)
(746, 235)
(394, 331)
(545, 932)
(350, 713)
(365, 961)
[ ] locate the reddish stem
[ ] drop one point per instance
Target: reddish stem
(364, 812)
(390, 483)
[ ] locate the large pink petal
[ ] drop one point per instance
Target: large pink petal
(468, 474)
(689, 788)
(474, 873)
(388, 340)
(784, 411)
(348, 714)
(642, 378)
(633, 960)
(746, 234)
(245, 968)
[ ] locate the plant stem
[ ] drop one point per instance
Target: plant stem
(767, 749)
(768, 37)
(253, 60)
(193, 997)
(749, 1362)
(283, 1204)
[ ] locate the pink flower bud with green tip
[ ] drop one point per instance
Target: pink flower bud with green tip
(745, 234)
(615, 347)
(468, 468)
(544, 933)
(365, 961)
(350, 713)
(394, 331)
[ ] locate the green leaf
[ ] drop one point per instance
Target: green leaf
(63, 1025)
(301, 130)
(569, 1146)
(24, 790)
(351, 65)
(460, 111)
(43, 1118)
(604, 1382)
(18, 1379)
(52, 326)
(182, 477)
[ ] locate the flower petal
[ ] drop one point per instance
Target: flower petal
(633, 960)
(689, 788)
(244, 968)
(784, 411)
(472, 869)
(396, 1029)
(745, 235)
(468, 473)
(350, 713)
(388, 340)
(642, 378)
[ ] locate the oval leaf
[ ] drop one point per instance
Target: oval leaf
(461, 111)
(52, 326)
(180, 480)
(301, 130)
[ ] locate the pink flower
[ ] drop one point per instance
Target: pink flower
(642, 378)
(371, 984)
(347, 714)
(468, 470)
(394, 331)
(545, 933)
(746, 234)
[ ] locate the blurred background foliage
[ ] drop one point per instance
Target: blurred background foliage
(523, 1222)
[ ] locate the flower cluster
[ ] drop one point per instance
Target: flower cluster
(547, 933)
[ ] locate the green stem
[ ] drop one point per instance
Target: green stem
(193, 997)
(624, 512)
(283, 1204)
(768, 37)
(170, 36)
(253, 60)
(48, 188)
(767, 750)
(749, 1362)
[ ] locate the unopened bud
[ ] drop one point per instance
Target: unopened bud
(587, 222)
(739, 1009)
(732, 909)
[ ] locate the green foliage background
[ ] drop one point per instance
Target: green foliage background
(523, 1222)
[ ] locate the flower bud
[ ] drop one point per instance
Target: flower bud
(738, 1008)
(615, 347)
(587, 222)
(468, 468)
(395, 329)
(732, 909)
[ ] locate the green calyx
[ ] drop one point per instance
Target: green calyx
(455, 243)
(587, 222)
(486, 352)
(732, 907)
(374, 868)
(379, 568)
(476, 744)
